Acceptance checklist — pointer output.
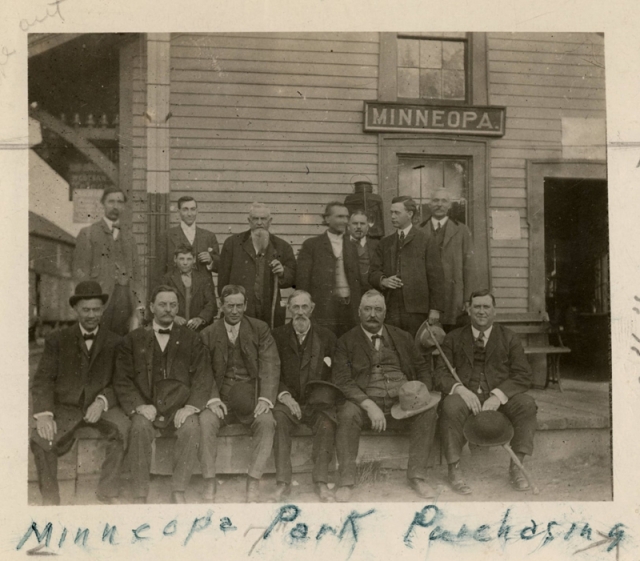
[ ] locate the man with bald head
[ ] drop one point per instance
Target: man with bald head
(455, 244)
(254, 259)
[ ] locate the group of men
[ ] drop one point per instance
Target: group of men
(350, 358)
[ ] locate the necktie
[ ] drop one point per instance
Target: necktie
(89, 336)
(439, 225)
(300, 337)
(164, 331)
(232, 335)
(374, 339)
(115, 230)
(480, 340)
(401, 238)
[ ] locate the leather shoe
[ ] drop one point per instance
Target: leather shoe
(456, 481)
(343, 494)
(139, 500)
(253, 490)
(517, 479)
(422, 488)
(209, 493)
(177, 498)
(283, 490)
(325, 494)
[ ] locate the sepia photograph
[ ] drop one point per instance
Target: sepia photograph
(318, 267)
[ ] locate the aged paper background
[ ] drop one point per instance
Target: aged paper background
(381, 534)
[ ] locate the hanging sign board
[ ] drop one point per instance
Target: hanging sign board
(86, 183)
(455, 119)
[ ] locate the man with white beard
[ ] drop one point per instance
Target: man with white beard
(305, 395)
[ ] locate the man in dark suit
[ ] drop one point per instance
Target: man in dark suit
(256, 260)
(107, 254)
(371, 364)
(72, 389)
(196, 299)
(203, 242)
(358, 228)
(407, 268)
(246, 370)
(490, 362)
(306, 351)
(328, 270)
(456, 255)
(163, 379)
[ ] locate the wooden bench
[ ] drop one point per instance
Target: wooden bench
(538, 334)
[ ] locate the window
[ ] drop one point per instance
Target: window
(433, 68)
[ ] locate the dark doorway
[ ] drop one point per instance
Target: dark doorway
(577, 271)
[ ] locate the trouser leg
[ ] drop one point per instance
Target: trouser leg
(113, 426)
(209, 427)
(323, 447)
(454, 413)
(521, 410)
(282, 445)
(141, 437)
(263, 430)
(185, 453)
(422, 430)
(350, 421)
(47, 466)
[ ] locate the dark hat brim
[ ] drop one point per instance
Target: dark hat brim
(313, 383)
(397, 412)
(473, 433)
(73, 300)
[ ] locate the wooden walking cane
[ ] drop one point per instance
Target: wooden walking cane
(274, 301)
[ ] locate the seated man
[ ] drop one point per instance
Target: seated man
(246, 370)
(490, 362)
(71, 389)
(372, 362)
(196, 299)
(306, 351)
(163, 377)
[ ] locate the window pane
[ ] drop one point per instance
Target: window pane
(408, 82)
(430, 54)
(455, 178)
(432, 177)
(408, 52)
(453, 55)
(453, 84)
(409, 179)
(431, 84)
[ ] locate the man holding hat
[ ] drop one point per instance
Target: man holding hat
(163, 379)
(387, 383)
(306, 394)
(72, 389)
(489, 360)
(246, 370)
(107, 254)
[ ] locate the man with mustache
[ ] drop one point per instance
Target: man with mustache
(255, 259)
(358, 228)
(107, 254)
(306, 351)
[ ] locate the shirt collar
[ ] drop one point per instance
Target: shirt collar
(370, 335)
(361, 242)
(85, 332)
(487, 333)
(108, 222)
(435, 221)
(186, 228)
(335, 237)
(157, 327)
(406, 230)
(232, 328)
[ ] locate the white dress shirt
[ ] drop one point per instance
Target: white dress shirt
(162, 338)
(336, 243)
(435, 222)
(189, 231)
(362, 242)
(370, 335)
(405, 230)
(115, 232)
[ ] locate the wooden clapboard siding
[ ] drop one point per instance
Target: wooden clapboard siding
(540, 78)
(272, 117)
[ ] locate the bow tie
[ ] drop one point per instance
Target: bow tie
(164, 331)
(89, 336)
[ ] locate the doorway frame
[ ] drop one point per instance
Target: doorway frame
(537, 172)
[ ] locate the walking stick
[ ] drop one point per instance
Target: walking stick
(444, 357)
(275, 300)
(516, 460)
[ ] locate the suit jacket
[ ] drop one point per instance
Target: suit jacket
(95, 258)
(187, 362)
(420, 270)
(238, 266)
(354, 360)
(203, 300)
(317, 270)
(370, 247)
(61, 378)
(506, 366)
(259, 353)
(295, 372)
(204, 241)
(458, 265)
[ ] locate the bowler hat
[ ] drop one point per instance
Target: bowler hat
(321, 393)
(169, 396)
(488, 428)
(414, 399)
(87, 290)
(424, 340)
(242, 399)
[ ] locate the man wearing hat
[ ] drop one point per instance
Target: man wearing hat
(72, 389)
(246, 370)
(387, 383)
(489, 360)
(163, 379)
(107, 254)
(305, 395)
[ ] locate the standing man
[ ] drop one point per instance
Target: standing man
(328, 270)
(456, 255)
(306, 352)
(107, 254)
(71, 389)
(163, 379)
(203, 242)
(407, 268)
(246, 370)
(358, 228)
(256, 260)
(495, 373)
(373, 364)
